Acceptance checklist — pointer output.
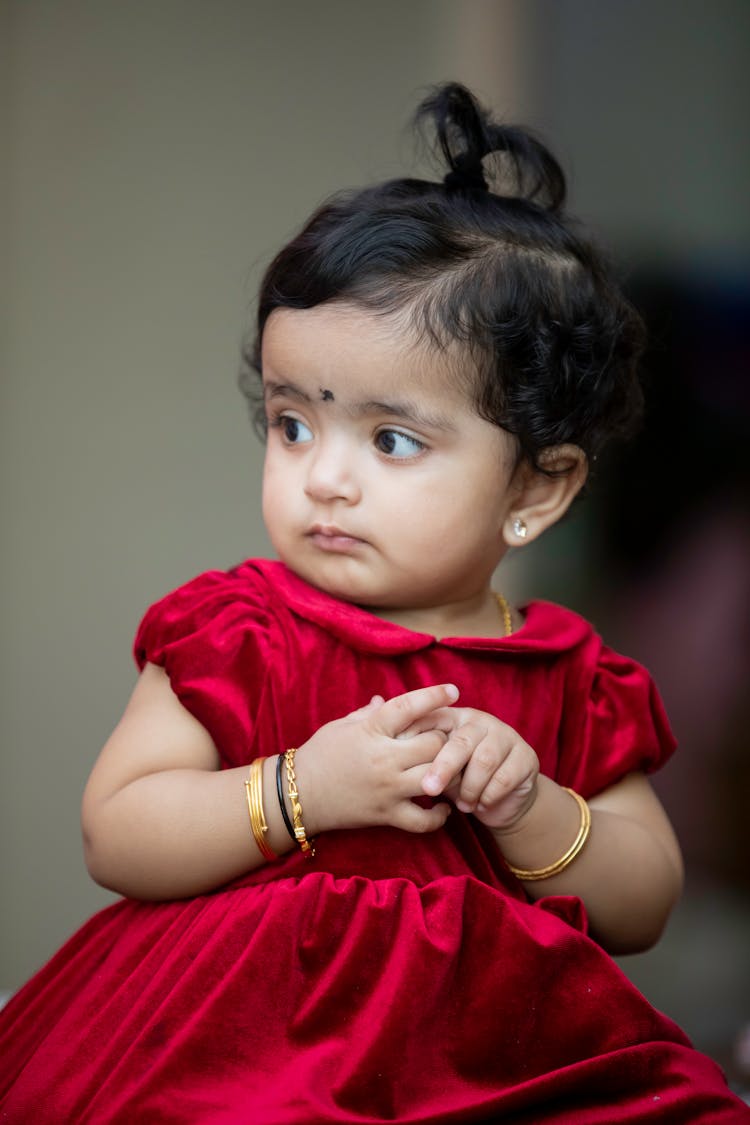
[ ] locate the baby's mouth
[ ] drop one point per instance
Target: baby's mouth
(329, 537)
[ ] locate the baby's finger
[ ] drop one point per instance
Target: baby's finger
(453, 757)
(515, 774)
(442, 718)
(355, 716)
(402, 711)
(413, 818)
(419, 752)
(491, 766)
(411, 781)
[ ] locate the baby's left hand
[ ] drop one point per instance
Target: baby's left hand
(485, 767)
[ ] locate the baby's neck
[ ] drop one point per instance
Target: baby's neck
(476, 617)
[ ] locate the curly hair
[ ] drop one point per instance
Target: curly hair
(488, 260)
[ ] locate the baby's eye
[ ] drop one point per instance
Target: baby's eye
(294, 431)
(396, 444)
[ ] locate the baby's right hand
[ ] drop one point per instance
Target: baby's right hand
(362, 770)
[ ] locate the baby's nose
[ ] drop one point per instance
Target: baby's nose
(331, 474)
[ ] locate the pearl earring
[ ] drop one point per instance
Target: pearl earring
(520, 530)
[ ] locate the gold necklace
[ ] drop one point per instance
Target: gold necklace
(505, 610)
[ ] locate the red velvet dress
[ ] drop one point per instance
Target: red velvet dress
(396, 977)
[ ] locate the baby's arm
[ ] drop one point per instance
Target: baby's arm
(162, 820)
(629, 873)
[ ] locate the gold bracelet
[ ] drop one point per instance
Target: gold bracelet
(300, 835)
(254, 794)
(574, 849)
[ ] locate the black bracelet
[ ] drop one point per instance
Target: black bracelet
(280, 791)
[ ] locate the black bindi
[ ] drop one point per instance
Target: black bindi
(326, 395)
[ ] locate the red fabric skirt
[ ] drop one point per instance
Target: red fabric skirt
(321, 999)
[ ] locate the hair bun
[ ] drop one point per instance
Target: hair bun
(466, 134)
(466, 172)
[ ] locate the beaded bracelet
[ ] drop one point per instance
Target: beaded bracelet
(564, 860)
(300, 835)
(280, 794)
(254, 795)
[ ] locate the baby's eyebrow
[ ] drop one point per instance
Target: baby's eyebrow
(408, 410)
(284, 390)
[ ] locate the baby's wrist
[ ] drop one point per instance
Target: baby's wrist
(518, 821)
(294, 801)
(541, 828)
(307, 783)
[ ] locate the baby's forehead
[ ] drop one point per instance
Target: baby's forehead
(396, 339)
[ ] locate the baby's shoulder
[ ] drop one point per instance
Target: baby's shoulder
(212, 608)
(566, 633)
(612, 718)
(550, 627)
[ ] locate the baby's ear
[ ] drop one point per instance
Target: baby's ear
(542, 498)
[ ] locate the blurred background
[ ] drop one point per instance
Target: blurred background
(155, 154)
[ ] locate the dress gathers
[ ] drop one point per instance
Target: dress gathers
(397, 977)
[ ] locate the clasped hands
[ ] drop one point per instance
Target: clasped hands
(367, 767)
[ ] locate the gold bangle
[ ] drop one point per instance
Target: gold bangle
(254, 794)
(300, 835)
(564, 860)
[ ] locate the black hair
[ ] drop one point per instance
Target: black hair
(487, 259)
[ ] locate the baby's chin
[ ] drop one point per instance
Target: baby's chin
(359, 583)
(340, 587)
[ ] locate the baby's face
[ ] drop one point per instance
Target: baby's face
(382, 485)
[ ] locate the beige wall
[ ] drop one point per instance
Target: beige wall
(160, 150)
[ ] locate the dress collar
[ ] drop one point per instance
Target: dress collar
(547, 627)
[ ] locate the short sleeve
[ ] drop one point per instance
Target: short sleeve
(212, 638)
(618, 726)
